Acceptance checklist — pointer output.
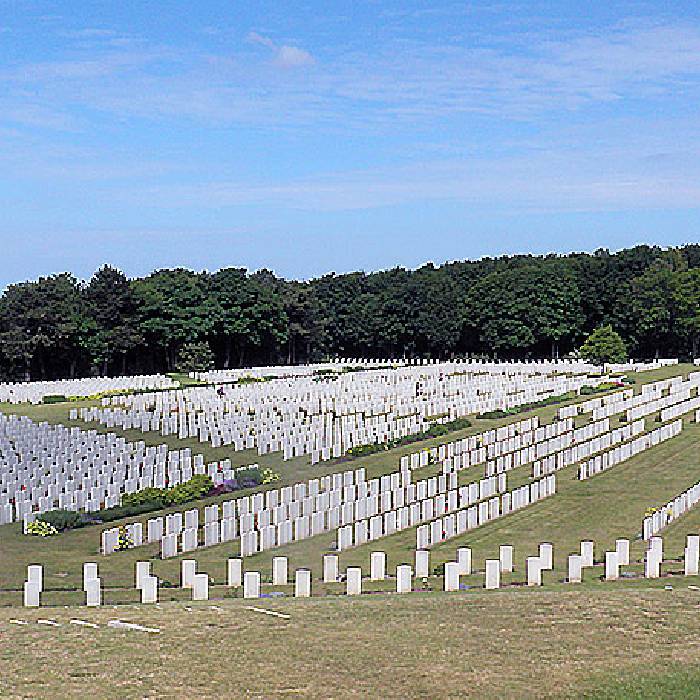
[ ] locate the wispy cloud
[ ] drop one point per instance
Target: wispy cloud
(284, 55)
(608, 176)
(531, 85)
(411, 83)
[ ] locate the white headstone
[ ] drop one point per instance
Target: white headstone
(505, 553)
(652, 563)
(200, 587)
(612, 567)
(279, 571)
(143, 571)
(575, 568)
(534, 571)
(547, 555)
(302, 583)
(377, 566)
(149, 589)
(93, 591)
(235, 572)
(188, 570)
(587, 553)
(32, 594)
(493, 573)
(89, 573)
(251, 584)
(330, 568)
(622, 548)
(35, 575)
(353, 580)
(403, 578)
(692, 559)
(464, 559)
(422, 563)
(451, 576)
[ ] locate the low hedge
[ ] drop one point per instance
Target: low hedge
(54, 398)
(550, 401)
(64, 519)
(435, 430)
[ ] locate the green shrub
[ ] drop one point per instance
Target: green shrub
(158, 498)
(249, 474)
(458, 424)
(366, 450)
(493, 414)
(197, 487)
(118, 512)
(435, 430)
(54, 398)
(62, 519)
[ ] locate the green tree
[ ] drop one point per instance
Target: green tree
(604, 345)
(43, 327)
(686, 298)
(195, 357)
(533, 309)
(644, 313)
(173, 309)
(111, 311)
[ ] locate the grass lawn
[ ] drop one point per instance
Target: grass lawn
(612, 644)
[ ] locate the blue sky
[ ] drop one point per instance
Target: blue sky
(308, 137)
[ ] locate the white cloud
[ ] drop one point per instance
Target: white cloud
(285, 56)
(291, 57)
(394, 82)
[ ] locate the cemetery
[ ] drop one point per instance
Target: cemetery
(349, 350)
(593, 496)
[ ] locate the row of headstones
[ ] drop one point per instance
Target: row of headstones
(229, 528)
(298, 496)
(440, 453)
(458, 523)
(544, 561)
(273, 534)
(653, 524)
(596, 436)
(319, 447)
(566, 437)
(600, 444)
(34, 585)
(147, 584)
(510, 453)
(681, 409)
(650, 393)
(624, 452)
(386, 521)
(34, 392)
(591, 405)
(405, 517)
(306, 442)
(537, 366)
(680, 396)
(43, 465)
(653, 558)
(569, 446)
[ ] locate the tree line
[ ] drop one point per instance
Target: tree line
(505, 307)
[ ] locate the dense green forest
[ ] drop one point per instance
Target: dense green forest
(514, 306)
